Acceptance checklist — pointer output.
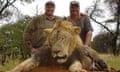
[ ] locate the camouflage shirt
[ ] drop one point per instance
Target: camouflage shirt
(84, 23)
(33, 33)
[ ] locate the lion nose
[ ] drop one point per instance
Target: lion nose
(56, 52)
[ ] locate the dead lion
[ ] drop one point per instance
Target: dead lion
(64, 49)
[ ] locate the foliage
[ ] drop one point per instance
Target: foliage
(103, 43)
(11, 39)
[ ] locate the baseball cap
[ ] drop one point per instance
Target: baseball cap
(75, 3)
(50, 3)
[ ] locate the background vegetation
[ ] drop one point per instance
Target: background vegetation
(11, 41)
(103, 43)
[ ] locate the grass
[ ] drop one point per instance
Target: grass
(113, 61)
(109, 59)
(11, 64)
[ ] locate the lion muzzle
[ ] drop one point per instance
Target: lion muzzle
(61, 59)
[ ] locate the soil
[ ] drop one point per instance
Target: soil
(49, 69)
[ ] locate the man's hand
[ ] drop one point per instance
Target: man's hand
(34, 50)
(86, 46)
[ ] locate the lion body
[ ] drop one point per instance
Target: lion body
(64, 38)
(65, 49)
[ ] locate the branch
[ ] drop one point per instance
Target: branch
(95, 6)
(91, 16)
(3, 8)
(102, 25)
(1, 2)
(16, 8)
(11, 3)
(8, 3)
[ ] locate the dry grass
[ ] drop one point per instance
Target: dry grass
(113, 61)
(11, 64)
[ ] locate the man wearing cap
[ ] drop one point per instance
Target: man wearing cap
(82, 21)
(34, 38)
(33, 34)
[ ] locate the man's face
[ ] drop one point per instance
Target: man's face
(49, 10)
(74, 10)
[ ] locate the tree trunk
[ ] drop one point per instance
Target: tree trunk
(117, 49)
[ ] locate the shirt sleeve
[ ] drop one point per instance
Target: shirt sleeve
(88, 26)
(28, 34)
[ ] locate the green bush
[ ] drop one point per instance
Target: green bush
(11, 39)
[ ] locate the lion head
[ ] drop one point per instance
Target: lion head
(62, 39)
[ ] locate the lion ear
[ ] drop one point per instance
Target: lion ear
(47, 31)
(77, 29)
(58, 23)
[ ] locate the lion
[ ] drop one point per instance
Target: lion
(67, 46)
(64, 47)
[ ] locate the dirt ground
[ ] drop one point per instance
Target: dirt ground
(49, 69)
(60, 69)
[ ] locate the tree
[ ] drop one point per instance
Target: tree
(7, 5)
(102, 43)
(11, 40)
(96, 12)
(115, 6)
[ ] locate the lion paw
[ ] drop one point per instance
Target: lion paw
(76, 67)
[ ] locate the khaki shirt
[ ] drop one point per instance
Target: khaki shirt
(84, 23)
(33, 33)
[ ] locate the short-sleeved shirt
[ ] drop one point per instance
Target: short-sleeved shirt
(33, 33)
(84, 23)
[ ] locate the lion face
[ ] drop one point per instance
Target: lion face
(60, 42)
(61, 39)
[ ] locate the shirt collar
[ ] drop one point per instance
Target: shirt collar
(46, 17)
(69, 17)
(74, 23)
